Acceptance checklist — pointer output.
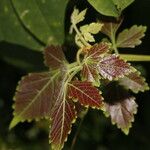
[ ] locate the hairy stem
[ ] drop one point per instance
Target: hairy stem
(132, 57)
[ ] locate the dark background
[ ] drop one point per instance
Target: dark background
(96, 133)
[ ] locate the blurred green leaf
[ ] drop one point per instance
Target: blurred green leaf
(11, 29)
(105, 7)
(43, 18)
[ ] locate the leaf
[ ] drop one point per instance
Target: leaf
(13, 25)
(85, 93)
(110, 28)
(94, 54)
(77, 16)
(63, 116)
(122, 4)
(131, 37)
(88, 30)
(35, 96)
(38, 17)
(134, 82)
(54, 57)
(112, 67)
(120, 106)
(105, 7)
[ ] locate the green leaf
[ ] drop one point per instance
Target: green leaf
(38, 17)
(54, 57)
(63, 116)
(120, 106)
(105, 7)
(86, 94)
(122, 4)
(112, 67)
(134, 82)
(77, 16)
(131, 37)
(34, 98)
(9, 24)
(88, 30)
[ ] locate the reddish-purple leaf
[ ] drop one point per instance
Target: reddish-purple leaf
(134, 82)
(54, 57)
(120, 106)
(35, 96)
(112, 67)
(110, 28)
(122, 113)
(63, 116)
(85, 93)
(97, 51)
(131, 37)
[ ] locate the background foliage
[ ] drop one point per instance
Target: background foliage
(24, 32)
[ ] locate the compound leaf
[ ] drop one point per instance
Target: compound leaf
(112, 67)
(134, 82)
(54, 57)
(63, 116)
(131, 37)
(85, 93)
(34, 98)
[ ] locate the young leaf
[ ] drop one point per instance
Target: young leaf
(94, 54)
(112, 67)
(134, 82)
(120, 106)
(85, 93)
(110, 28)
(77, 16)
(88, 30)
(122, 4)
(34, 98)
(105, 7)
(63, 116)
(54, 57)
(131, 37)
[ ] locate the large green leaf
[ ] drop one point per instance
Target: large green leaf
(105, 7)
(11, 29)
(43, 18)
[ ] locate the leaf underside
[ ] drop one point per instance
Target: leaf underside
(131, 37)
(112, 67)
(134, 82)
(120, 106)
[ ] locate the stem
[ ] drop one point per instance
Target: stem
(132, 57)
(78, 56)
(80, 35)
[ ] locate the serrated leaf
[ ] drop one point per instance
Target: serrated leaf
(110, 28)
(94, 54)
(105, 7)
(54, 57)
(122, 4)
(77, 16)
(34, 98)
(112, 67)
(131, 37)
(85, 93)
(38, 17)
(134, 82)
(63, 116)
(120, 106)
(88, 30)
